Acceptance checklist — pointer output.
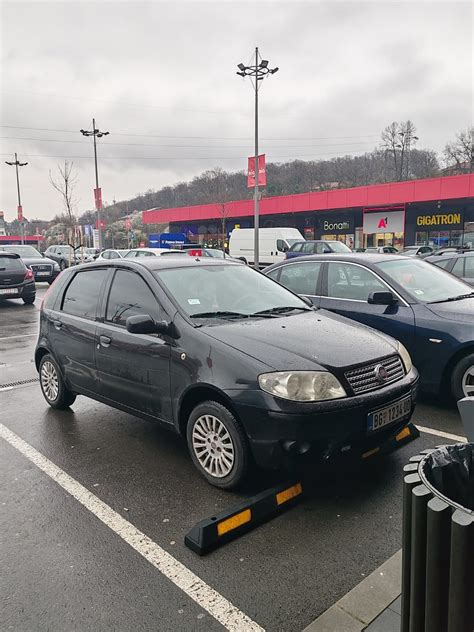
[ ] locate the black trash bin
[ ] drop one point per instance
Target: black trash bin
(438, 541)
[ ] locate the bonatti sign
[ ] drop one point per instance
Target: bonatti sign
(327, 225)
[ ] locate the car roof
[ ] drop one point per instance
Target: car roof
(157, 263)
(349, 257)
(145, 249)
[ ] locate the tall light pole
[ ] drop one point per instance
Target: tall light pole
(17, 164)
(97, 193)
(258, 71)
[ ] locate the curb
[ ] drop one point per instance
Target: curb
(361, 605)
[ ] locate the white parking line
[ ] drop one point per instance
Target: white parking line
(440, 433)
(205, 596)
(18, 336)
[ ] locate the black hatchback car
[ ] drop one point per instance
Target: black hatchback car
(241, 367)
(16, 280)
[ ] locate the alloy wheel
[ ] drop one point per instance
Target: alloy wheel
(50, 381)
(468, 382)
(213, 446)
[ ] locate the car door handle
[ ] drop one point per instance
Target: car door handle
(58, 324)
(105, 341)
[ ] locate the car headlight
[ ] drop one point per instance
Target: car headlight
(302, 386)
(405, 356)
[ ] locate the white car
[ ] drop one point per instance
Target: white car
(112, 253)
(154, 252)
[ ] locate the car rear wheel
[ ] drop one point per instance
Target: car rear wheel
(218, 445)
(29, 300)
(462, 378)
(52, 384)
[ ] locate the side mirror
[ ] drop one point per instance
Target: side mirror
(144, 324)
(382, 298)
(95, 256)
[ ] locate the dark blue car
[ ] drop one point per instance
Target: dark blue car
(430, 311)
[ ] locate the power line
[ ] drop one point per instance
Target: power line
(57, 140)
(174, 158)
(74, 131)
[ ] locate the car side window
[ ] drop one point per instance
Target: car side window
(469, 268)
(129, 296)
(458, 268)
(281, 245)
(322, 249)
(82, 294)
(297, 247)
(275, 274)
(308, 248)
(351, 282)
(301, 278)
(106, 255)
(113, 255)
(443, 263)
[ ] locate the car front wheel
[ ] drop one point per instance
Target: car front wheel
(218, 445)
(62, 264)
(29, 300)
(462, 378)
(52, 384)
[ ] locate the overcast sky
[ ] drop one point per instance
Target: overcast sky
(160, 77)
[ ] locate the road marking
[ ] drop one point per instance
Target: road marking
(18, 336)
(440, 433)
(205, 596)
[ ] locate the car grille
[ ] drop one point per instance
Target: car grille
(43, 267)
(364, 379)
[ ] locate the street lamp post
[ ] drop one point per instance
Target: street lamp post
(257, 72)
(17, 164)
(98, 196)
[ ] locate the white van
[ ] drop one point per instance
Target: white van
(273, 244)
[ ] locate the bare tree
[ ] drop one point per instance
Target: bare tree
(459, 155)
(64, 184)
(398, 140)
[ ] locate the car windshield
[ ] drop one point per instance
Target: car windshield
(23, 251)
(227, 290)
(424, 282)
(292, 242)
(409, 251)
(338, 246)
(213, 252)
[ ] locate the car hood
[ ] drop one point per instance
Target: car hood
(460, 311)
(37, 261)
(305, 341)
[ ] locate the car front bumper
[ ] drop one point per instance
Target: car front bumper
(281, 432)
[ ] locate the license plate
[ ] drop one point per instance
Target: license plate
(10, 290)
(40, 273)
(389, 414)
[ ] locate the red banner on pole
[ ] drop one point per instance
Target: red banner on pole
(20, 213)
(262, 174)
(98, 198)
(128, 223)
(100, 224)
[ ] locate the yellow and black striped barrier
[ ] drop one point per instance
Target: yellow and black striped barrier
(210, 533)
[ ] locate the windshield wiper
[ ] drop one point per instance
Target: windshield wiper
(219, 314)
(281, 310)
(454, 298)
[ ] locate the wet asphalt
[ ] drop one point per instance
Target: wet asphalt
(62, 569)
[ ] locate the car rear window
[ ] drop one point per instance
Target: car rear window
(11, 263)
(82, 294)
